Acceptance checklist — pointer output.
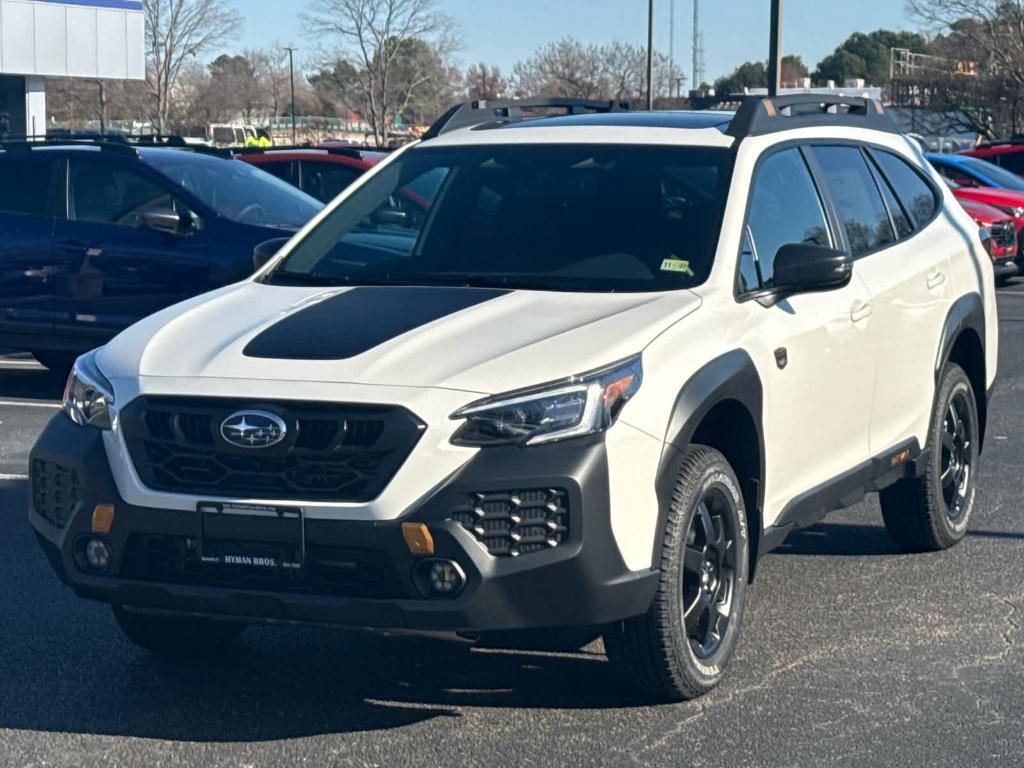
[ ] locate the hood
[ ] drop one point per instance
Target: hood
(471, 339)
(982, 213)
(991, 196)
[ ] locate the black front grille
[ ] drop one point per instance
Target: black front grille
(338, 571)
(331, 452)
(513, 523)
(1003, 233)
(56, 491)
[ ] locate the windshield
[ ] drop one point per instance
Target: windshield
(1000, 176)
(559, 217)
(237, 190)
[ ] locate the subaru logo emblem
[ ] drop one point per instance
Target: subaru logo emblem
(253, 429)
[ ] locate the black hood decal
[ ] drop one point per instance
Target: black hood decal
(358, 320)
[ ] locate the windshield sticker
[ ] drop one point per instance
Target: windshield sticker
(677, 265)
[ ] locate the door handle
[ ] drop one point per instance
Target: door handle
(860, 310)
(935, 278)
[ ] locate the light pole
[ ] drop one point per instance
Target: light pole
(775, 50)
(291, 72)
(650, 55)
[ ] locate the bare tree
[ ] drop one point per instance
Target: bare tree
(484, 82)
(177, 31)
(395, 48)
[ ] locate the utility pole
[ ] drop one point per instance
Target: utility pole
(671, 43)
(291, 72)
(650, 55)
(775, 50)
(695, 73)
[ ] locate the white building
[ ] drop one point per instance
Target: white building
(74, 38)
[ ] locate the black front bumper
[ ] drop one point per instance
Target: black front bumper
(583, 581)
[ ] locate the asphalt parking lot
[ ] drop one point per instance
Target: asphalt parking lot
(851, 655)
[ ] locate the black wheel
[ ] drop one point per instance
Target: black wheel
(681, 647)
(56, 361)
(177, 636)
(932, 512)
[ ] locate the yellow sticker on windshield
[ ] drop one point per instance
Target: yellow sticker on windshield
(676, 265)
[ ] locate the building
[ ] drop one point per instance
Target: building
(78, 38)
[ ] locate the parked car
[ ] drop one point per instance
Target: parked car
(96, 235)
(1008, 155)
(1002, 240)
(970, 171)
(621, 357)
(323, 172)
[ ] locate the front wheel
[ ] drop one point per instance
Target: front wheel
(681, 647)
(932, 512)
(176, 636)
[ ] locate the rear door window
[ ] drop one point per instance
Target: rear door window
(30, 185)
(286, 171)
(325, 181)
(785, 208)
(916, 195)
(857, 198)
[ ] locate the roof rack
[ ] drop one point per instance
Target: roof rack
(502, 111)
(758, 115)
(344, 151)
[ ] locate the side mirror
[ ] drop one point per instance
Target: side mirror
(164, 220)
(804, 268)
(265, 251)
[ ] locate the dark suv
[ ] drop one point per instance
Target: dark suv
(96, 235)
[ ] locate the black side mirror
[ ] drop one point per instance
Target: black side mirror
(804, 268)
(165, 220)
(265, 251)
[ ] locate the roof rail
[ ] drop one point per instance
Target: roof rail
(760, 115)
(502, 111)
(344, 151)
(111, 143)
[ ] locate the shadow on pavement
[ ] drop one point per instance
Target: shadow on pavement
(64, 667)
(853, 540)
(31, 382)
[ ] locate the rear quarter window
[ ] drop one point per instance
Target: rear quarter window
(29, 187)
(916, 195)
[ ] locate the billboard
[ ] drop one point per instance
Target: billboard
(73, 38)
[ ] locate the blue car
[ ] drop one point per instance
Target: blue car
(96, 235)
(970, 171)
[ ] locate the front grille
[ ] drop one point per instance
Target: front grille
(331, 452)
(514, 523)
(1003, 233)
(337, 571)
(56, 491)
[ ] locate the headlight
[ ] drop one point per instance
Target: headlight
(88, 395)
(581, 406)
(1015, 211)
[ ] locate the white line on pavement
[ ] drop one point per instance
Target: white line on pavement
(29, 404)
(13, 477)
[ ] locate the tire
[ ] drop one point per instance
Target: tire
(55, 361)
(180, 637)
(673, 651)
(932, 512)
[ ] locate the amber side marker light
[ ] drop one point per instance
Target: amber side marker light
(102, 518)
(418, 539)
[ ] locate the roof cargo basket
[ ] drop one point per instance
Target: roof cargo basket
(758, 116)
(501, 111)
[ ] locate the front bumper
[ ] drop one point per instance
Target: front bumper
(583, 581)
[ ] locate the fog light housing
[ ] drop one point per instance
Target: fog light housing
(442, 579)
(97, 555)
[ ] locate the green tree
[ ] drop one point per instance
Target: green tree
(867, 56)
(750, 74)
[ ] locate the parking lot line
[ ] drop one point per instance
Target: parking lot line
(31, 404)
(13, 477)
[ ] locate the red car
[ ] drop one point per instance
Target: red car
(1002, 245)
(323, 172)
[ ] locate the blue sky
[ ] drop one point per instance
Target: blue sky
(503, 31)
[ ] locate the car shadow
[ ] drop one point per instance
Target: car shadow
(858, 540)
(66, 668)
(24, 379)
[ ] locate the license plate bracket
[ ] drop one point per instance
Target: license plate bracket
(251, 536)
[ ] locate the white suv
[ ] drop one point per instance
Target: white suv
(570, 372)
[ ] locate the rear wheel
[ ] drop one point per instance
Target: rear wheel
(176, 636)
(932, 512)
(681, 647)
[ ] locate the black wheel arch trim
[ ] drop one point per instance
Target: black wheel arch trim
(966, 314)
(730, 377)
